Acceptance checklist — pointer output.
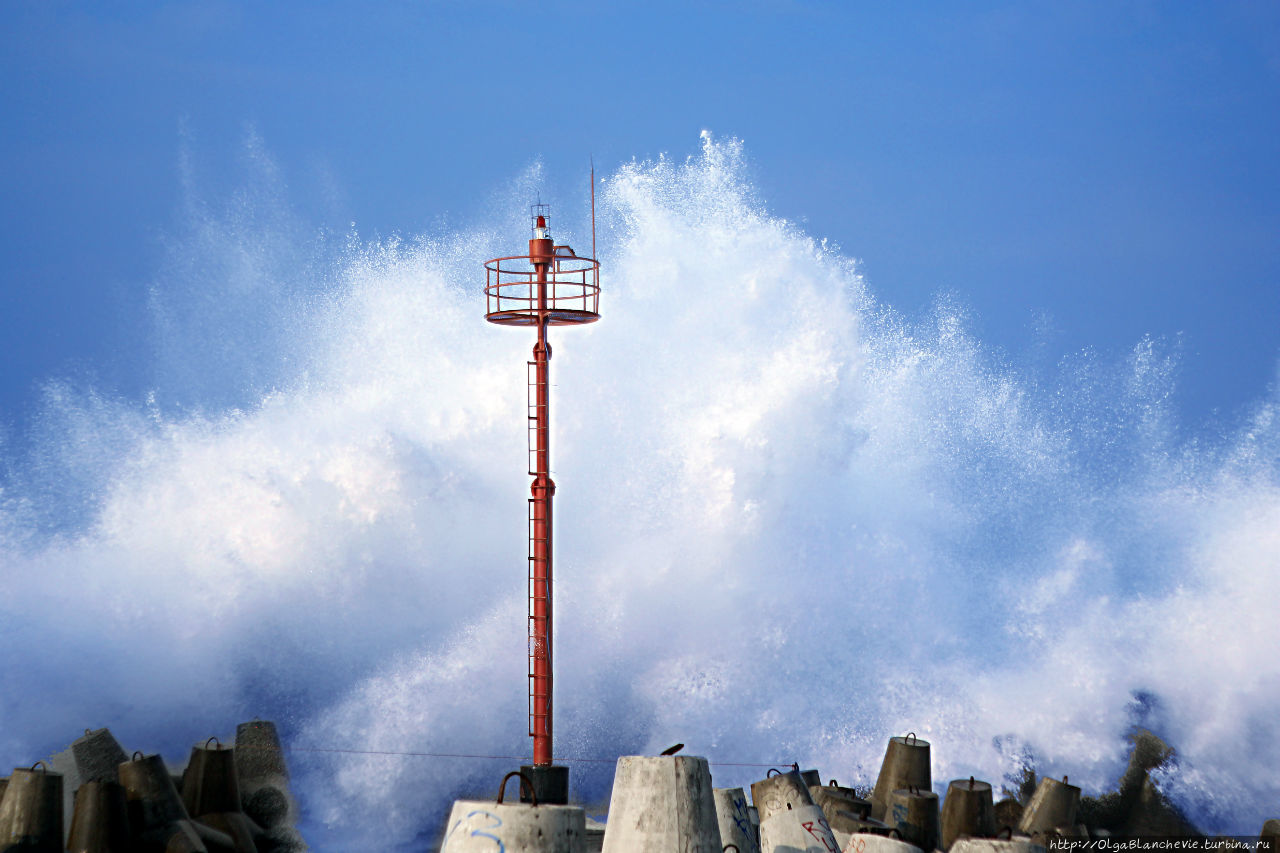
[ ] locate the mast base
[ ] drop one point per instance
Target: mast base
(550, 783)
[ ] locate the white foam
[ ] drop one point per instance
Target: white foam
(790, 523)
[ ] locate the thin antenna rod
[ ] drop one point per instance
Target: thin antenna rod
(593, 207)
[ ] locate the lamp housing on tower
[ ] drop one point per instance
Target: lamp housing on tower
(569, 295)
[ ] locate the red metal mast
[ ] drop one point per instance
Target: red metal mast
(550, 286)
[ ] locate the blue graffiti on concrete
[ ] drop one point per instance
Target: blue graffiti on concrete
(742, 819)
(492, 822)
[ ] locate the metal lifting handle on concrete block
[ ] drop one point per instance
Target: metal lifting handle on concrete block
(526, 784)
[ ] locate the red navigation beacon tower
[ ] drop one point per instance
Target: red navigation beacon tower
(550, 286)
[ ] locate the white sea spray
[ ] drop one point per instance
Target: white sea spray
(790, 523)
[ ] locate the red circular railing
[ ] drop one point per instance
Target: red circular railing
(573, 290)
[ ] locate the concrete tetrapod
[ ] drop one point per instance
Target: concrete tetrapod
(92, 757)
(968, 811)
(100, 819)
(864, 842)
(157, 817)
(660, 804)
(845, 812)
(734, 819)
(914, 814)
(848, 824)
(1052, 808)
(996, 845)
(263, 778)
(595, 836)
(482, 826)
(1271, 835)
(779, 791)
(800, 829)
(845, 825)
(842, 790)
(845, 799)
(31, 811)
(906, 765)
(211, 795)
(1008, 814)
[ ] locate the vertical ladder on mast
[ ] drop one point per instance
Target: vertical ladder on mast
(539, 592)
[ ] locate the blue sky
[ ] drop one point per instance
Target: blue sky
(1078, 174)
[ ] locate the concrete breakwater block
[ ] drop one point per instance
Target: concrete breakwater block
(797, 829)
(662, 803)
(844, 836)
(733, 816)
(31, 811)
(209, 783)
(846, 813)
(779, 791)
(93, 757)
(842, 790)
(261, 756)
(595, 836)
(157, 817)
(848, 824)
(263, 780)
(968, 811)
(997, 845)
(864, 842)
(913, 813)
(136, 805)
(100, 820)
(483, 826)
(832, 799)
(1008, 814)
(1052, 808)
(1136, 806)
(211, 794)
(906, 765)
